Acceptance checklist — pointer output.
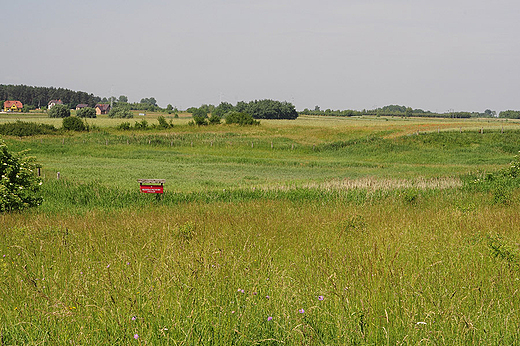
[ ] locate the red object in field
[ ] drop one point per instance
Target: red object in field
(152, 188)
(151, 185)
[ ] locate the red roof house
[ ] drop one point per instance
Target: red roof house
(13, 106)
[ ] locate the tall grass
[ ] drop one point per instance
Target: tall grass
(263, 272)
(324, 237)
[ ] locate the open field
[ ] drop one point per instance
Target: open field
(354, 231)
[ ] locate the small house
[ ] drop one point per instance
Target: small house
(102, 108)
(53, 103)
(81, 105)
(13, 106)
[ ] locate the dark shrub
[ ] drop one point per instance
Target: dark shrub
(74, 124)
(22, 128)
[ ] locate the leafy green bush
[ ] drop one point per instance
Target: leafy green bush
(19, 186)
(163, 123)
(214, 119)
(200, 120)
(143, 125)
(23, 128)
(86, 112)
(59, 111)
(124, 126)
(120, 112)
(74, 124)
(240, 118)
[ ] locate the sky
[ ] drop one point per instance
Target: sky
(441, 55)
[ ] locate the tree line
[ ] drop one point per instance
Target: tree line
(397, 110)
(258, 109)
(38, 97)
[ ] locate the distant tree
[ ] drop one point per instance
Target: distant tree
(317, 108)
(59, 111)
(169, 107)
(123, 99)
(222, 109)
(510, 114)
(490, 113)
(408, 112)
(86, 112)
(201, 112)
(149, 100)
(120, 112)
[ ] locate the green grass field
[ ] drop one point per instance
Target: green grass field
(318, 231)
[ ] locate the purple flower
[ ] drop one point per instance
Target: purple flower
(108, 266)
(267, 297)
(301, 311)
(136, 336)
(127, 263)
(134, 318)
(269, 318)
(320, 298)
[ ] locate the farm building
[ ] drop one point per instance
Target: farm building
(13, 106)
(53, 103)
(102, 108)
(81, 105)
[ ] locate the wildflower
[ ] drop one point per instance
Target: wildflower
(267, 297)
(301, 311)
(136, 336)
(269, 318)
(320, 298)
(240, 290)
(108, 266)
(418, 323)
(134, 318)
(233, 311)
(127, 263)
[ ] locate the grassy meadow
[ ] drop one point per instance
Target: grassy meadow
(318, 231)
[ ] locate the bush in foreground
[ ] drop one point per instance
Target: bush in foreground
(19, 186)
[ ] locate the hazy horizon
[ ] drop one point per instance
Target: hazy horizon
(437, 56)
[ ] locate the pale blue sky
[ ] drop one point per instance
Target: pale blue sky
(436, 55)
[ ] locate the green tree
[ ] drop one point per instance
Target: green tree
(149, 100)
(222, 109)
(59, 111)
(408, 112)
(122, 99)
(19, 186)
(86, 112)
(120, 112)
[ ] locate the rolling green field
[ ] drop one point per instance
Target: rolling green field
(318, 231)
